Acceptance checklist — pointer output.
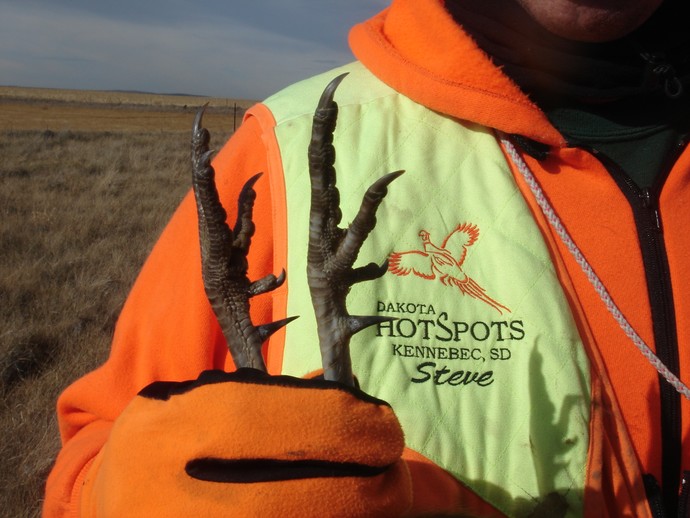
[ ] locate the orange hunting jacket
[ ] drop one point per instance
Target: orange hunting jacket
(167, 331)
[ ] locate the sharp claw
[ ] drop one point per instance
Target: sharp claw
(199, 116)
(365, 220)
(266, 284)
(200, 135)
(266, 330)
(249, 184)
(356, 324)
(321, 152)
(379, 187)
(244, 225)
(326, 99)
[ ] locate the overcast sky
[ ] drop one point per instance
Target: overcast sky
(227, 48)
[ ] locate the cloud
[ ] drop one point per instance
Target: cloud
(175, 46)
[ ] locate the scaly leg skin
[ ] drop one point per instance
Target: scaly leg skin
(224, 258)
(333, 250)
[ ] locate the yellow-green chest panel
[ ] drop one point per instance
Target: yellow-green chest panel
(483, 364)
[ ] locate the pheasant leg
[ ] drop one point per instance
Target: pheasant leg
(333, 250)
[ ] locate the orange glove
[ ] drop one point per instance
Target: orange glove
(248, 444)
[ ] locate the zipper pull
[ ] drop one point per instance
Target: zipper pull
(649, 202)
(683, 508)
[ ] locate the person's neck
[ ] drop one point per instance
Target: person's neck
(652, 61)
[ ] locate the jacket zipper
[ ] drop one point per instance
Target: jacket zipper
(645, 206)
(654, 497)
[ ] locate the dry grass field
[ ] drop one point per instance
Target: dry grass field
(87, 182)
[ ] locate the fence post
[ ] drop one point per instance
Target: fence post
(234, 117)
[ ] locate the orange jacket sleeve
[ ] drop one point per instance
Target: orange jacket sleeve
(166, 330)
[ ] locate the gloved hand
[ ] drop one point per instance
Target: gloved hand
(248, 444)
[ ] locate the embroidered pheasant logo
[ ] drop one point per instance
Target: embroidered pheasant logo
(444, 262)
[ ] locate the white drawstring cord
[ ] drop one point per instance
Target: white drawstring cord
(599, 287)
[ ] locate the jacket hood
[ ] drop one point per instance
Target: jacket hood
(417, 48)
